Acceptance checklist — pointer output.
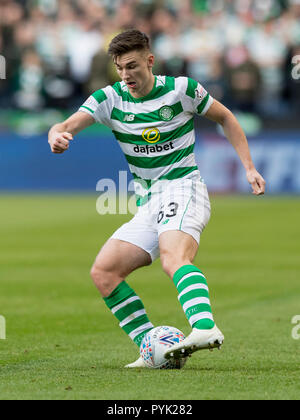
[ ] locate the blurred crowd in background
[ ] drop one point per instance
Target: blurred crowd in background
(240, 50)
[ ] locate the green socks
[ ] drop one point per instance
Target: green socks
(129, 310)
(194, 297)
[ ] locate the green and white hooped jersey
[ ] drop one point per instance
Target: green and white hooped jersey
(156, 132)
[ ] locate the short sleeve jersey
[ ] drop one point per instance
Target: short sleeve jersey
(156, 132)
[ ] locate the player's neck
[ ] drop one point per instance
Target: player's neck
(146, 89)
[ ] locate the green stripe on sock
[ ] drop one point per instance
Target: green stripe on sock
(119, 294)
(193, 294)
(135, 323)
(186, 269)
(190, 281)
(132, 307)
(204, 324)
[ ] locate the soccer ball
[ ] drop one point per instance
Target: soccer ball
(155, 344)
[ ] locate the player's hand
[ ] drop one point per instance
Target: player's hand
(257, 182)
(59, 142)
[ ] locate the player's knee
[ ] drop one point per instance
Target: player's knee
(105, 280)
(96, 274)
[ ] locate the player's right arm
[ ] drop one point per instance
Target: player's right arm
(61, 134)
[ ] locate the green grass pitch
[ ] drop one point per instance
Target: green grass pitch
(62, 342)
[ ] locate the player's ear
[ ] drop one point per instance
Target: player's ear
(151, 60)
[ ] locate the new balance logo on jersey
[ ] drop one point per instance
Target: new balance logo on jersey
(129, 117)
(153, 149)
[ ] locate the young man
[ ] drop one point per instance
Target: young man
(152, 119)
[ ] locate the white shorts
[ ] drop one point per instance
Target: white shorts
(182, 204)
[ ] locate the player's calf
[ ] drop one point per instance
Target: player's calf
(116, 260)
(177, 249)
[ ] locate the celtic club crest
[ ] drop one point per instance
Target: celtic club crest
(166, 113)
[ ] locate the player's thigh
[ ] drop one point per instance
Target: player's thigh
(139, 231)
(120, 258)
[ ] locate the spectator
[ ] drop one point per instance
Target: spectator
(29, 80)
(243, 79)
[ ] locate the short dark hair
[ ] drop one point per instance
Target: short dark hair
(127, 41)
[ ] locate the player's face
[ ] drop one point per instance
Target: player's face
(135, 69)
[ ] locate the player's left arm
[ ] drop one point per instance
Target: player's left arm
(236, 136)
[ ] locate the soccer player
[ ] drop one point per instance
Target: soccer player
(152, 118)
